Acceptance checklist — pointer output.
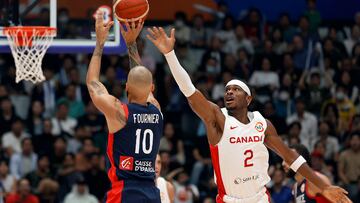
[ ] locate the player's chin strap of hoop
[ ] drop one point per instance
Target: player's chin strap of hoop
(181, 77)
(297, 163)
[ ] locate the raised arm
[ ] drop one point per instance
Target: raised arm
(206, 110)
(107, 104)
(130, 34)
(274, 142)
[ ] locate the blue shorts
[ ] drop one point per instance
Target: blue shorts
(130, 191)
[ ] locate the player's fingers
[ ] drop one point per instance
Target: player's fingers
(150, 38)
(172, 33)
(109, 25)
(151, 33)
(133, 25)
(127, 25)
(156, 31)
(140, 24)
(162, 32)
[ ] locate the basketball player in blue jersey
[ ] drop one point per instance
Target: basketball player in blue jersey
(134, 128)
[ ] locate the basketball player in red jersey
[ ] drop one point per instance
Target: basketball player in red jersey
(238, 138)
(304, 191)
(135, 128)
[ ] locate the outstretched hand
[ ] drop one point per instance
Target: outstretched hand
(101, 28)
(336, 194)
(131, 30)
(161, 40)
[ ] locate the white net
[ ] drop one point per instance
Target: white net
(28, 46)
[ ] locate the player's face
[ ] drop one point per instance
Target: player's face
(235, 97)
(158, 165)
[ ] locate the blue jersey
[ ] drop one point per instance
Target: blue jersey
(302, 195)
(131, 152)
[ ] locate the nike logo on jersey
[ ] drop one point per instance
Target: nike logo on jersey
(232, 127)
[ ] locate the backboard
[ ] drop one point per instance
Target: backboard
(73, 19)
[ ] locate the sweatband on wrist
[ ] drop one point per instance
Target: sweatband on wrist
(181, 77)
(297, 163)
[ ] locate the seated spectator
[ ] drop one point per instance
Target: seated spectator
(7, 115)
(7, 180)
(23, 194)
(345, 79)
(283, 97)
(226, 33)
(287, 29)
(80, 193)
(24, 162)
(146, 60)
(47, 190)
(214, 51)
(170, 142)
(308, 123)
(294, 130)
(269, 113)
(185, 192)
(240, 41)
(67, 176)
(348, 167)
(244, 65)
(199, 33)
(355, 38)
(58, 153)
(279, 192)
(279, 45)
(42, 172)
(62, 124)
(265, 81)
(318, 161)
(331, 143)
(345, 106)
(82, 93)
(330, 114)
(182, 30)
(82, 158)
(42, 143)
(92, 119)
(11, 141)
(76, 143)
(35, 119)
(313, 15)
(76, 107)
(96, 178)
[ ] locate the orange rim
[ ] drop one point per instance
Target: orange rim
(30, 30)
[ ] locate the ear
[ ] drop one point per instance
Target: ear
(152, 88)
(249, 100)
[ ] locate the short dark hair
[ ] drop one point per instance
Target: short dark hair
(295, 123)
(303, 151)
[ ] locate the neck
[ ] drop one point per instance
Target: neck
(241, 115)
(138, 101)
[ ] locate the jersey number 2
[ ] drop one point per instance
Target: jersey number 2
(249, 155)
(146, 149)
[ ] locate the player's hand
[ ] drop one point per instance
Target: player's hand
(131, 30)
(161, 40)
(101, 28)
(336, 194)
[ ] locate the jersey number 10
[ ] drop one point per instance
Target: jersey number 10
(146, 149)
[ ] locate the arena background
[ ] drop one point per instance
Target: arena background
(302, 62)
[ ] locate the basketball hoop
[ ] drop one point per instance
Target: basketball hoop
(28, 45)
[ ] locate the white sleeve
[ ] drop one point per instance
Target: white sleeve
(182, 78)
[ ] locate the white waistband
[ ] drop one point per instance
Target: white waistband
(255, 198)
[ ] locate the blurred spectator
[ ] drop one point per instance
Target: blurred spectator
(265, 81)
(182, 33)
(80, 194)
(331, 144)
(279, 45)
(227, 30)
(62, 124)
(283, 97)
(47, 190)
(305, 32)
(345, 106)
(338, 43)
(345, 80)
(47, 92)
(349, 164)
(287, 29)
(214, 51)
(184, 191)
(81, 91)
(240, 41)
(308, 123)
(92, 119)
(354, 38)
(67, 65)
(294, 131)
(7, 116)
(43, 143)
(58, 154)
(146, 60)
(75, 143)
(35, 118)
(76, 107)
(23, 194)
(288, 67)
(170, 142)
(219, 88)
(11, 141)
(67, 175)
(279, 192)
(42, 172)
(300, 53)
(186, 56)
(199, 33)
(96, 178)
(244, 65)
(82, 158)
(330, 114)
(313, 16)
(331, 52)
(318, 161)
(269, 113)
(7, 181)
(255, 26)
(25, 161)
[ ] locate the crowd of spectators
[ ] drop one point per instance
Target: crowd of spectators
(304, 75)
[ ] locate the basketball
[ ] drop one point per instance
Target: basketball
(131, 9)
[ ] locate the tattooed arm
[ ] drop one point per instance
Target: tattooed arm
(107, 104)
